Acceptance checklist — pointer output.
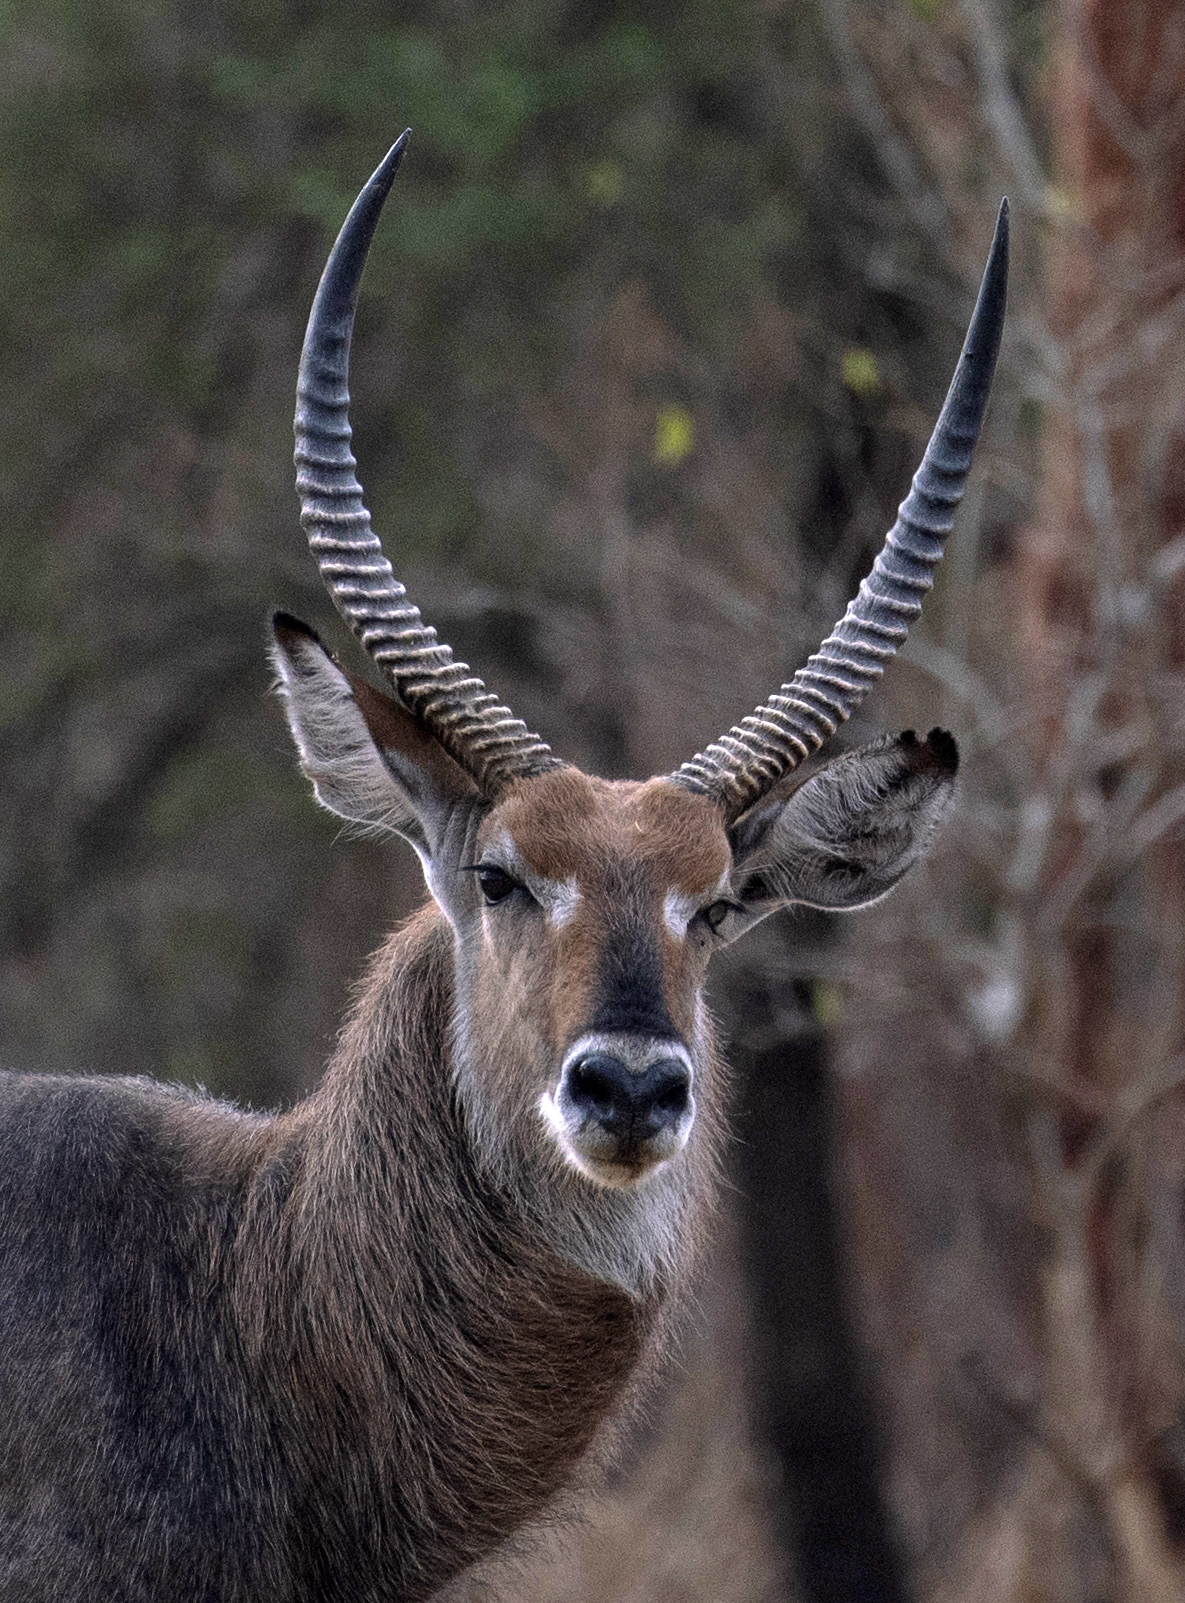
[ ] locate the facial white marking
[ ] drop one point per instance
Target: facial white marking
(703, 1023)
(505, 853)
(562, 899)
(552, 1117)
(678, 910)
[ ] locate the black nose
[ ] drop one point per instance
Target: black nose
(633, 1107)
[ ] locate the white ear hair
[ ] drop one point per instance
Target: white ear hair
(347, 771)
(847, 834)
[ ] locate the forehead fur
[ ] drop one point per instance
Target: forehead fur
(568, 823)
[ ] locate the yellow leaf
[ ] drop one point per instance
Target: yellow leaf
(826, 1004)
(860, 370)
(606, 182)
(1062, 205)
(674, 435)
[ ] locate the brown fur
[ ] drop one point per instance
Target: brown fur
(336, 1355)
(626, 845)
(509, 1360)
(352, 1364)
(568, 818)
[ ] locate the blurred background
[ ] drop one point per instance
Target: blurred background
(653, 334)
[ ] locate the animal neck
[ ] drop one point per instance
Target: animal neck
(467, 1366)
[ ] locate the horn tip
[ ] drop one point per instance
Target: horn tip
(987, 321)
(998, 255)
(385, 172)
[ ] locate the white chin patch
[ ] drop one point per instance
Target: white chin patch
(614, 1176)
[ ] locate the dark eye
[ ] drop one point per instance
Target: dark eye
(716, 913)
(496, 884)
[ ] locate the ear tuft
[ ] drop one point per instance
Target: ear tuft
(288, 629)
(938, 754)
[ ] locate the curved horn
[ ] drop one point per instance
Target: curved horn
(484, 737)
(767, 745)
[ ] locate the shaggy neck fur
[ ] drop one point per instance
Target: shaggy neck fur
(460, 1366)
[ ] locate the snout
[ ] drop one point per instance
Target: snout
(630, 1108)
(623, 1106)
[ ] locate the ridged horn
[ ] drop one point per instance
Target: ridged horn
(486, 738)
(740, 767)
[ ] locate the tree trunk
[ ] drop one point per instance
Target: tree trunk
(1099, 624)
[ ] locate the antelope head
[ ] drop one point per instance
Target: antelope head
(584, 912)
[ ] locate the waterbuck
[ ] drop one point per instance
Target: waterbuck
(341, 1352)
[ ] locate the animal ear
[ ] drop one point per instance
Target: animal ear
(844, 837)
(368, 758)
